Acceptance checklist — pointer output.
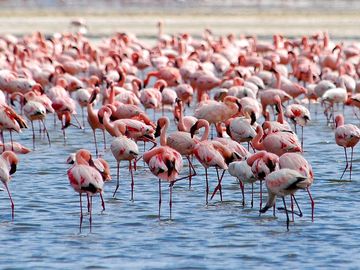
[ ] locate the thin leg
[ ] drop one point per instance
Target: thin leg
(117, 178)
(312, 204)
(207, 187)
(77, 121)
(191, 173)
(292, 207)
(159, 198)
(347, 164)
(2, 139)
(274, 209)
(33, 133)
(90, 213)
(170, 201)
(47, 133)
(300, 214)
(11, 201)
(252, 195)
(287, 214)
(83, 117)
(132, 181)
(351, 159)
(81, 213)
(88, 202)
(242, 192)
(102, 201)
(302, 138)
(96, 147)
(260, 194)
(218, 187)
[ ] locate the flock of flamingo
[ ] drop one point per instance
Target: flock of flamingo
(242, 89)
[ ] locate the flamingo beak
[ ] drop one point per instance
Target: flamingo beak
(13, 168)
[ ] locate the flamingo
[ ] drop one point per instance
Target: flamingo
(166, 164)
(8, 163)
(85, 179)
(346, 136)
(277, 143)
(178, 140)
(282, 183)
(211, 154)
(10, 120)
(242, 171)
(298, 163)
(122, 148)
(185, 122)
(299, 115)
(15, 147)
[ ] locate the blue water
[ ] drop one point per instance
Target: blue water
(128, 235)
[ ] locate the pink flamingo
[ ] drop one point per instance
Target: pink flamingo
(8, 163)
(282, 183)
(211, 154)
(298, 163)
(178, 140)
(15, 147)
(93, 119)
(262, 163)
(170, 75)
(165, 163)
(277, 143)
(346, 136)
(10, 120)
(242, 171)
(185, 122)
(299, 115)
(85, 179)
(122, 148)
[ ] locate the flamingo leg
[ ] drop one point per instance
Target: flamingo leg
(33, 133)
(292, 207)
(252, 195)
(260, 194)
(96, 147)
(218, 187)
(159, 198)
(88, 203)
(347, 164)
(351, 159)
(11, 201)
(287, 214)
(102, 201)
(78, 122)
(242, 192)
(63, 130)
(117, 178)
(132, 181)
(193, 173)
(170, 201)
(90, 210)
(312, 204)
(83, 117)
(81, 213)
(300, 214)
(207, 187)
(47, 133)
(302, 138)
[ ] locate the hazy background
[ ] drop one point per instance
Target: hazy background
(263, 17)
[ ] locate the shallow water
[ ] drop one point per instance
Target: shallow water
(128, 235)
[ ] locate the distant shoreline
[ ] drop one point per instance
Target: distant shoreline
(340, 24)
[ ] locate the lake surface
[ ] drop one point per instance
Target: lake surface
(128, 235)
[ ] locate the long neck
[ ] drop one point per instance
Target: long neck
(256, 140)
(110, 127)
(280, 117)
(181, 124)
(163, 133)
(206, 132)
(278, 80)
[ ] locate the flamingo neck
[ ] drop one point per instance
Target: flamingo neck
(163, 133)
(181, 124)
(256, 140)
(278, 80)
(110, 127)
(280, 117)
(206, 132)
